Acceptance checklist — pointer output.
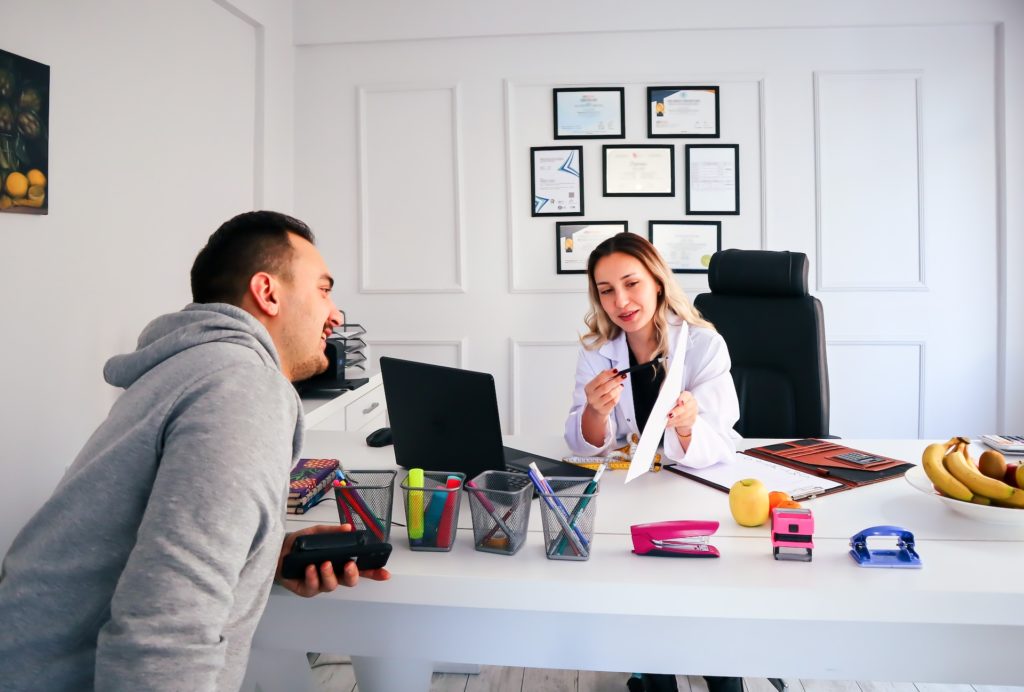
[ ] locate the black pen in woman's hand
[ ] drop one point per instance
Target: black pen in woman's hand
(642, 366)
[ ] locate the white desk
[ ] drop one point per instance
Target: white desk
(960, 619)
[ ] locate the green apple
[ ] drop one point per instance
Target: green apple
(748, 502)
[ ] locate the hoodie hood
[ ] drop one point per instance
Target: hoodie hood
(195, 325)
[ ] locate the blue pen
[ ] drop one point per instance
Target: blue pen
(559, 511)
(558, 501)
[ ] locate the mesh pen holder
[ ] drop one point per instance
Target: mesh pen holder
(432, 510)
(366, 501)
(500, 503)
(568, 517)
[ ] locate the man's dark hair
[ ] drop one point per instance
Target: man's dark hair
(256, 241)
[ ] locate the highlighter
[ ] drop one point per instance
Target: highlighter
(415, 508)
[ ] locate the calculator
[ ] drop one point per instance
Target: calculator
(1007, 444)
(859, 458)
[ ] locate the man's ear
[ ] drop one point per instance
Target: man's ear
(264, 289)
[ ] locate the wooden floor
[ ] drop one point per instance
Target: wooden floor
(333, 675)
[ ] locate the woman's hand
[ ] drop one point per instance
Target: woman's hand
(683, 415)
(603, 392)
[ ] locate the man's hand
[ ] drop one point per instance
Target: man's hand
(324, 579)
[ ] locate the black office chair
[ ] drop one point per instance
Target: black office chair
(775, 332)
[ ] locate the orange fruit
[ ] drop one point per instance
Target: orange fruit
(775, 497)
(789, 504)
(17, 184)
(36, 177)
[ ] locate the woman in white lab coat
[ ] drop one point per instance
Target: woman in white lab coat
(637, 313)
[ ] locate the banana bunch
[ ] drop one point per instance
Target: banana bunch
(955, 474)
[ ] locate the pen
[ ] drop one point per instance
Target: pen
(363, 511)
(362, 508)
(489, 508)
(432, 516)
(496, 528)
(557, 508)
(415, 508)
(580, 506)
(342, 503)
(638, 368)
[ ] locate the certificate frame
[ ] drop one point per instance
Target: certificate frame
(659, 160)
(604, 112)
(711, 187)
(701, 236)
(693, 122)
(564, 231)
(559, 184)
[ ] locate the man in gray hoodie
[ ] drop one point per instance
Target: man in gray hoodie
(151, 563)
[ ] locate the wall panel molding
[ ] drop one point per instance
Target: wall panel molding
(518, 347)
(259, 148)
(864, 80)
(459, 344)
(919, 344)
(367, 283)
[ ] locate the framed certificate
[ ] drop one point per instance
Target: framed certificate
(556, 181)
(682, 111)
(575, 241)
(687, 246)
(639, 170)
(713, 179)
(590, 113)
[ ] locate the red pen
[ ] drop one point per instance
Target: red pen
(363, 512)
(444, 529)
(342, 504)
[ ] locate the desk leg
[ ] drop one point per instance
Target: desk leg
(276, 671)
(375, 674)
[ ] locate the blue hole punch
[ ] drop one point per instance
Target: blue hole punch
(904, 557)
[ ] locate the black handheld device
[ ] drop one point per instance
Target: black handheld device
(338, 547)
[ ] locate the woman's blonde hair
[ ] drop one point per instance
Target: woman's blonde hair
(671, 298)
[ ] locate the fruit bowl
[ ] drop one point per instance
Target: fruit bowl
(994, 515)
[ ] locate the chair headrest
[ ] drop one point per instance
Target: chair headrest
(758, 272)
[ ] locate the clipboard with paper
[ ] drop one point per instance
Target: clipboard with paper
(722, 476)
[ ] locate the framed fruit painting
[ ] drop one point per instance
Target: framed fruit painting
(24, 135)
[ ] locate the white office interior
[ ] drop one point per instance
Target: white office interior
(882, 139)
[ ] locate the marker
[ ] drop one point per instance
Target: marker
(489, 508)
(432, 517)
(444, 529)
(415, 508)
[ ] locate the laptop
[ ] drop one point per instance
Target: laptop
(446, 419)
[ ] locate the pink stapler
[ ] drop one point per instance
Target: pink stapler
(674, 538)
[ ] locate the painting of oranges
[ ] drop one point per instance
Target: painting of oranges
(24, 135)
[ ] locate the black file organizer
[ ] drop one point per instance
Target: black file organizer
(345, 357)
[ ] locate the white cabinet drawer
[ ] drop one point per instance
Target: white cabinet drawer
(368, 406)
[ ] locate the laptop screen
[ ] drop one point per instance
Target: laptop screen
(442, 419)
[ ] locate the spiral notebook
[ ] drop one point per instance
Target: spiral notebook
(722, 476)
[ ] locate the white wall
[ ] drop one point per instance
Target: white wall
(165, 120)
(912, 268)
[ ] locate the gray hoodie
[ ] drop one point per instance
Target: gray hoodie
(150, 565)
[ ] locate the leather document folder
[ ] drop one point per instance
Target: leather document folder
(850, 467)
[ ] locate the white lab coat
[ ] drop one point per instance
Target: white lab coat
(706, 375)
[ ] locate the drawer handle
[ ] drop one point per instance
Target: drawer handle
(371, 407)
